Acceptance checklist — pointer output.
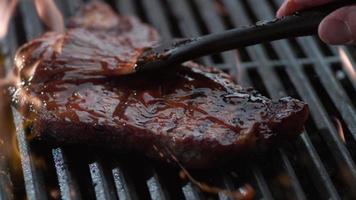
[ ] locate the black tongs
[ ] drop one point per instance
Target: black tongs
(171, 53)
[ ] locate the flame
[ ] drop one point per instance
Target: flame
(7, 7)
(46, 9)
(340, 130)
(239, 68)
(346, 62)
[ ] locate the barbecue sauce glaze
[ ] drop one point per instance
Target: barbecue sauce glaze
(74, 96)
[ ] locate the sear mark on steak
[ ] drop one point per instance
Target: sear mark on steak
(196, 113)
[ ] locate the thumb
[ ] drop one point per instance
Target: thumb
(339, 27)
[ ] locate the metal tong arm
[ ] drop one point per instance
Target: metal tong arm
(299, 24)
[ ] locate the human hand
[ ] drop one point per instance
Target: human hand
(337, 28)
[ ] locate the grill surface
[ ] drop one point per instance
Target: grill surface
(318, 165)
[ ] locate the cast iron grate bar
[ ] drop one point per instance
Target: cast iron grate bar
(152, 180)
(156, 189)
(350, 72)
(124, 186)
(191, 192)
(103, 188)
(193, 18)
(214, 24)
(34, 183)
(295, 185)
(187, 24)
(125, 7)
(156, 17)
(73, 6)
(262, 184)
(68, 186)
(316, 169)
(30, 20)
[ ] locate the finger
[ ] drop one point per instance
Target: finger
(339, 27)
(291, 6)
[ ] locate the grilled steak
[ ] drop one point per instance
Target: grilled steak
(195, 113)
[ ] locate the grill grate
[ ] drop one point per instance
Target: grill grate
(317, 165)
